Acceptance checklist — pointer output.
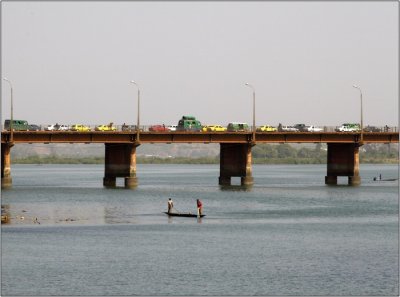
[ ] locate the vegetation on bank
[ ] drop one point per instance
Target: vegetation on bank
(262, 154)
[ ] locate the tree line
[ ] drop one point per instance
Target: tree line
(261, 153)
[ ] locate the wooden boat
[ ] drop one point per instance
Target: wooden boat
(181, 214)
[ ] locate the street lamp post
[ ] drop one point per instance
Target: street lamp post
(138, 113)
(361, 137)
(254, 111)
(11, 120)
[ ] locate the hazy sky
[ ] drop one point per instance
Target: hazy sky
(71, 62)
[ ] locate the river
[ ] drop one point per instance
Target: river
(289, 234)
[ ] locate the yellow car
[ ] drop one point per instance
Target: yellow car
(213, 128)
(266, 128)
(105, 128)
(80, 128)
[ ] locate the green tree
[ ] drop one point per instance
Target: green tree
(286, 151)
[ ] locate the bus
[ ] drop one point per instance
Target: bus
(188, 123)
(17, 125)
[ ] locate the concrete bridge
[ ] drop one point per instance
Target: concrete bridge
(235, 150)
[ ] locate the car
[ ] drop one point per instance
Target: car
(348, 127)
(172, 128)
(266, 128)
(287, 128)
(371, 129)
(63, 128)
(213, 128)
(313, 129)
(80, 128)
(50, 128)
(301, 127)
(58, 127)
(105, 128)
(158, 128)
(126, 128)
(238, 127)
(33, 127)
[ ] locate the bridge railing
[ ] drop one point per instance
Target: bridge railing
(164, 128)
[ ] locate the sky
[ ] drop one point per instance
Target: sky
(72, 62)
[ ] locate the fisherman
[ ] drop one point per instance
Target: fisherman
(170, 205)
(199, 208)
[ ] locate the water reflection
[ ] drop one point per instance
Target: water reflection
(236, 188)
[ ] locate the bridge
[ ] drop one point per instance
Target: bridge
(235, 150)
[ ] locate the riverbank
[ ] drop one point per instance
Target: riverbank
(201, 160)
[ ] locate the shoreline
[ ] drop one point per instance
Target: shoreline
(191, 161)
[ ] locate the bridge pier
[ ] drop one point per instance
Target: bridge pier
(235, 160)
(120, 161)
(6, 180)
(343, 160)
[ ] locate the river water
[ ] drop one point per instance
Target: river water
(288, 235)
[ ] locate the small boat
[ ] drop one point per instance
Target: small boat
(180, 214)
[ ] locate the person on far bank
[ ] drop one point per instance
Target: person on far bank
(170, 205)
(199, 207)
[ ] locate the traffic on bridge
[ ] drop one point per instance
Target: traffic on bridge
(236, 140)
(191, 124)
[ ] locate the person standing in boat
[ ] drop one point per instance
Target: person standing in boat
(170, 205)
(199, 207)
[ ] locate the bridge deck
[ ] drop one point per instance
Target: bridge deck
(196, 137)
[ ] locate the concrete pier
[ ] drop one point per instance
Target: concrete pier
(343, 160)
(6, 180)
(235, 161)
(120, 161)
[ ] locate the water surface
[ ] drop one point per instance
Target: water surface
(288, 235)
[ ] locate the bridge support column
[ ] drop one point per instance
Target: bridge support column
(6, 180)
(235, 160)
(343, 160)
(120, 161)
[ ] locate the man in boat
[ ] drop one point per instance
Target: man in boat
(170, 205)
(199, 207)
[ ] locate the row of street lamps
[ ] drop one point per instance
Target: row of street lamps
(138, 108)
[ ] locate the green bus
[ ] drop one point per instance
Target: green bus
(189, 123)
(17, 125)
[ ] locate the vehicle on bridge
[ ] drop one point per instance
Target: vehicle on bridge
(307, 128)
(50, 128)
(372, 129)
(126, 127)
(349, 127)
(61, 127)
(214, 128)
(238, 127)
(80, 128)
(158, 128)
(104, 128)
(313, 129)
(287, 128)
(301, 127)
(189, 123)
(33, 127)
(17, 125)
(266, 128)
(172, 128)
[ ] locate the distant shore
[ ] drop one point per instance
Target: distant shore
(187, 160)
